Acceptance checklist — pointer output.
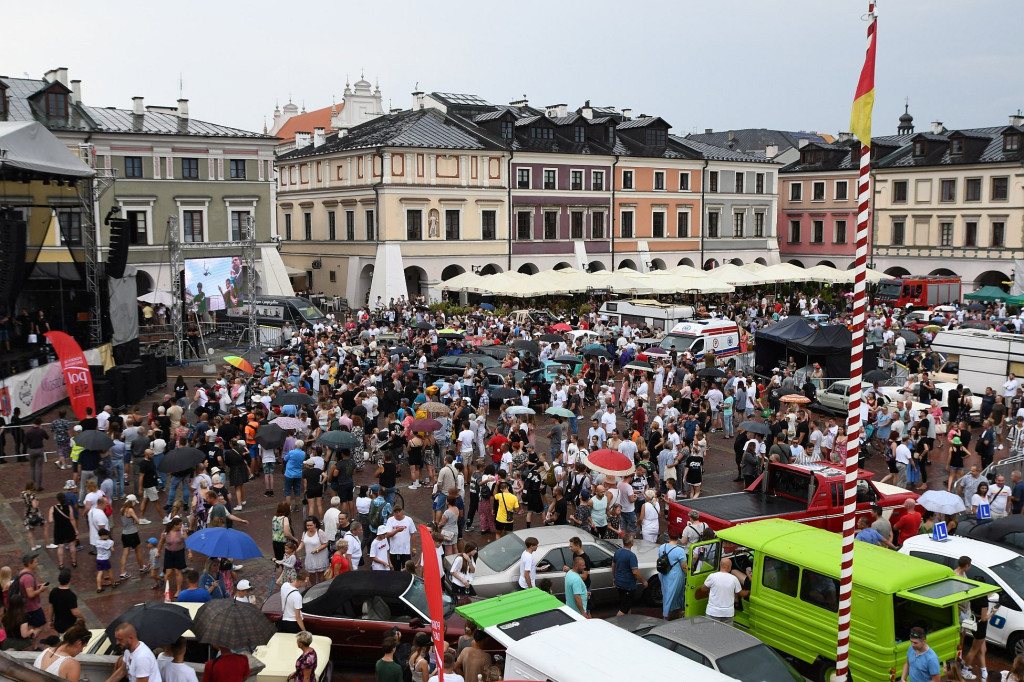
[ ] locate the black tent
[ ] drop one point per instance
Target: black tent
(830, 346)
(770, 343)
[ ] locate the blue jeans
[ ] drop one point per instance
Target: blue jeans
(629, 521)
(389, 495)
(574, 425)
(293, 487)
(161, 476)
(117, 463)
(177, 481)
(729, 426)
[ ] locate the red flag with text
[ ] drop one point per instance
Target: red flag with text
(76, 372)
(435, 598)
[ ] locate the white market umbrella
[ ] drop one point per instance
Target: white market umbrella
(941, 502)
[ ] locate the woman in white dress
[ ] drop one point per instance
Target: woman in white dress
(659, 380)
(314, 540)
(649, 520)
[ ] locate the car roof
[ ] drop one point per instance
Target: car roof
(550, 535)
(706, 635)
(984, 553)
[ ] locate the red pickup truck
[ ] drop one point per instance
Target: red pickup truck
(811, 494)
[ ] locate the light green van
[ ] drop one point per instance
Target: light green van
(794, 588)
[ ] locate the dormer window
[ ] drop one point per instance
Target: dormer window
(1011, 142)
(56, 105)
(656, 137)
(611, 134)
(506, 130)
(920, 148)
(956, 146)
(812, 156)
(3, 102)
(579, 134)
(542, 133)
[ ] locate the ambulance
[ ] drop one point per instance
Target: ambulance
(721, 337)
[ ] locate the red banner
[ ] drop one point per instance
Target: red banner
(77, 377)
(435, 600)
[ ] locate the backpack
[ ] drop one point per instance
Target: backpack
(573, 493)
(486, 490)
(663, 564)
(549, 477)
(377, 517)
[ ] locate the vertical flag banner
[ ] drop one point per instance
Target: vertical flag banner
(864, 99)
(435, 599)
(76, 372)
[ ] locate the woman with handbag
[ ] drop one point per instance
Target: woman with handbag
(462, 570)
(448, 526)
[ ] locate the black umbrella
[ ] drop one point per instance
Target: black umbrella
(551, 338)
(400, 350)
(271, 436)
(756, 427)
(568, 360)
(94, 440)
(524, 344)
(338, 439)
(912, 338)
(504, 393)
(293, 398)
(711, 372)
(451, 335)
(424, 325)
(976, 307)
(180, 459)
(233, 624)
(876, 375)
(596, 353)
(156, 623)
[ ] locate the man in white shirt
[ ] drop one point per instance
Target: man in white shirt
(138, 661)
(608, 420)
(331, 518)
(97, 520)
(528, 565)
(103, 418)
(354, 538)
(999, 497)
(398, 530)
(596, 431)
(722, 589)
(629, 449)
(902, 460)
(466, 439)
(291, 604)
(1009, 388)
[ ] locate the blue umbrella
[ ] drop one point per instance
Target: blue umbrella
(487, 306)
(223, 542)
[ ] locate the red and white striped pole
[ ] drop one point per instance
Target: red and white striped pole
(853, 421)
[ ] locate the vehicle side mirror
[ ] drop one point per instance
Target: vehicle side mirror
(416, 623)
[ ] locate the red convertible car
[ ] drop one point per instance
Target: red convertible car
(357, 610)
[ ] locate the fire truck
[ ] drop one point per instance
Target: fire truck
(918, 292)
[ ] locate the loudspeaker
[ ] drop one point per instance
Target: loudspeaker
(115, 383)
(161, 369)
(149, 371)
(13, 235)
(102, 393)
(117, 256)
(96, 371)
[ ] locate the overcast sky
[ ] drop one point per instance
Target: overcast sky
(789, 64)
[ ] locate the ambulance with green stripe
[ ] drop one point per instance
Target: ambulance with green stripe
(794, 596)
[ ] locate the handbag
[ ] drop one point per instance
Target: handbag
(969, 625)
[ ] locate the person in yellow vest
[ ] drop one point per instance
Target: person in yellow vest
(76, 449)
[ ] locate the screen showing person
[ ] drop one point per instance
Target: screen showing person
(213, 284)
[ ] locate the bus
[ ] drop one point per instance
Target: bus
(918, 292)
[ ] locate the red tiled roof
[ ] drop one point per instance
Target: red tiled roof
(320, 118)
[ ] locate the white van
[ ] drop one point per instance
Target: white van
(636, 311)
(990, 564)
(722, 337)
(985, 357)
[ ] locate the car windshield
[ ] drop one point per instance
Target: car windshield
(677, 343)
(888, 290)
(310, 312)
(1012, 573)
(501, 554)
(757, 664)
(416, 595)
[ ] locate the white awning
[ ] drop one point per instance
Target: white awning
(294, 272)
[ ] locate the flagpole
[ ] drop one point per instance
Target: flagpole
(861, 125)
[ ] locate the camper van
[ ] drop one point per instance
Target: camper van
(982, 357)
(722, 337)
(274, 311)
(639, 311)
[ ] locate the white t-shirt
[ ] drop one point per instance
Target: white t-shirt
(466, 441)
(449, 677)
(355, 550)
(379, 550)
(400, 542)
(998, 498)
(291, 599)
(527, 564)
(723, 588)
(331, 522)
(174, 672)
(97, 519)
(142, 663)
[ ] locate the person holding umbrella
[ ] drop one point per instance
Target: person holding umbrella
(138, 661)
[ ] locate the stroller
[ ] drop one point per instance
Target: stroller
(393, 443)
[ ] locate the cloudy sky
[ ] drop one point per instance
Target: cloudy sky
(725, 64)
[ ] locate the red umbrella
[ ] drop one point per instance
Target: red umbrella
(611, 462)
(562, 327)
(421, 425)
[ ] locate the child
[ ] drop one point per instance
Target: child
(103, 547)
(517, 490)
(153, 566)
(177, 510)
(670, 485)
(288, 564)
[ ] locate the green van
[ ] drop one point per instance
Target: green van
(794, 597)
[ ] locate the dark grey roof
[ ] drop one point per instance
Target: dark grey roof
(527, 120)
(642, 122)
(455, 98)
(420, 128)
(565, 120)
(491, 115)
(990, 150)
(603, 119)
(755, 139)
(713, 153)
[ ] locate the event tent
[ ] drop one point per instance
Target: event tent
(989, 293)
(28, 149)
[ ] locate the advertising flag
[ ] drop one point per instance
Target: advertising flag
(435, 600)
(76, 372)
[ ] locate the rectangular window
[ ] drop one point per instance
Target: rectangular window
(307, 226)
(684, 182)
(192, 226)
(945, 234)
(332, 226)
(288, 226)
(972, 189)
(371, 225)
(999, 189)
(238, 220)
(506, 130)
(451, 225)
(597, 181)
(999, 234)
(899, 233)
(237, 167)
(819, 590)
(576, 180)
(550, 179)
(713, 225)
(970, 234)
(794, 231)
(948, 191)
(579, 134)
(597, 226)
(550, 225)
(780, 576)
(71, 227)
(523, 178)
(576, 225)
(1011, 142)
(133, 166)
(737, 224)
(739, 183)
(659, 179)
(899, 191)
(414, 226)
(712, 181)
(842, 190)
(682, 225)
(523, 225)
(56, 105)
(956, 146)
(626, 225)
(657, 137)
(817, 231)
(332, 275)
(759, 224)
(542, 133)
(839, 229)
(796, 191)
(627, 179)
(759, 183)
(350, 225)
(658, 225)
(818, 191)
(190, 169)
(488, 225)
(137, 233)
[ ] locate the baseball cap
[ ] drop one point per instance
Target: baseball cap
(78, 427)
(243, 585)
(153, 541)
(131, 498)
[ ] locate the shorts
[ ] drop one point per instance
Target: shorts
(345, 493)
(504, 527)
(268, 467)
(626, 599)
(982, 630)
(150, 494)
(36, 619)
(254, 451)
(415, 457)
(534, 503)
(175, 560)
(440, 502)
(292, 486)
(130, 540)
(103, 564)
